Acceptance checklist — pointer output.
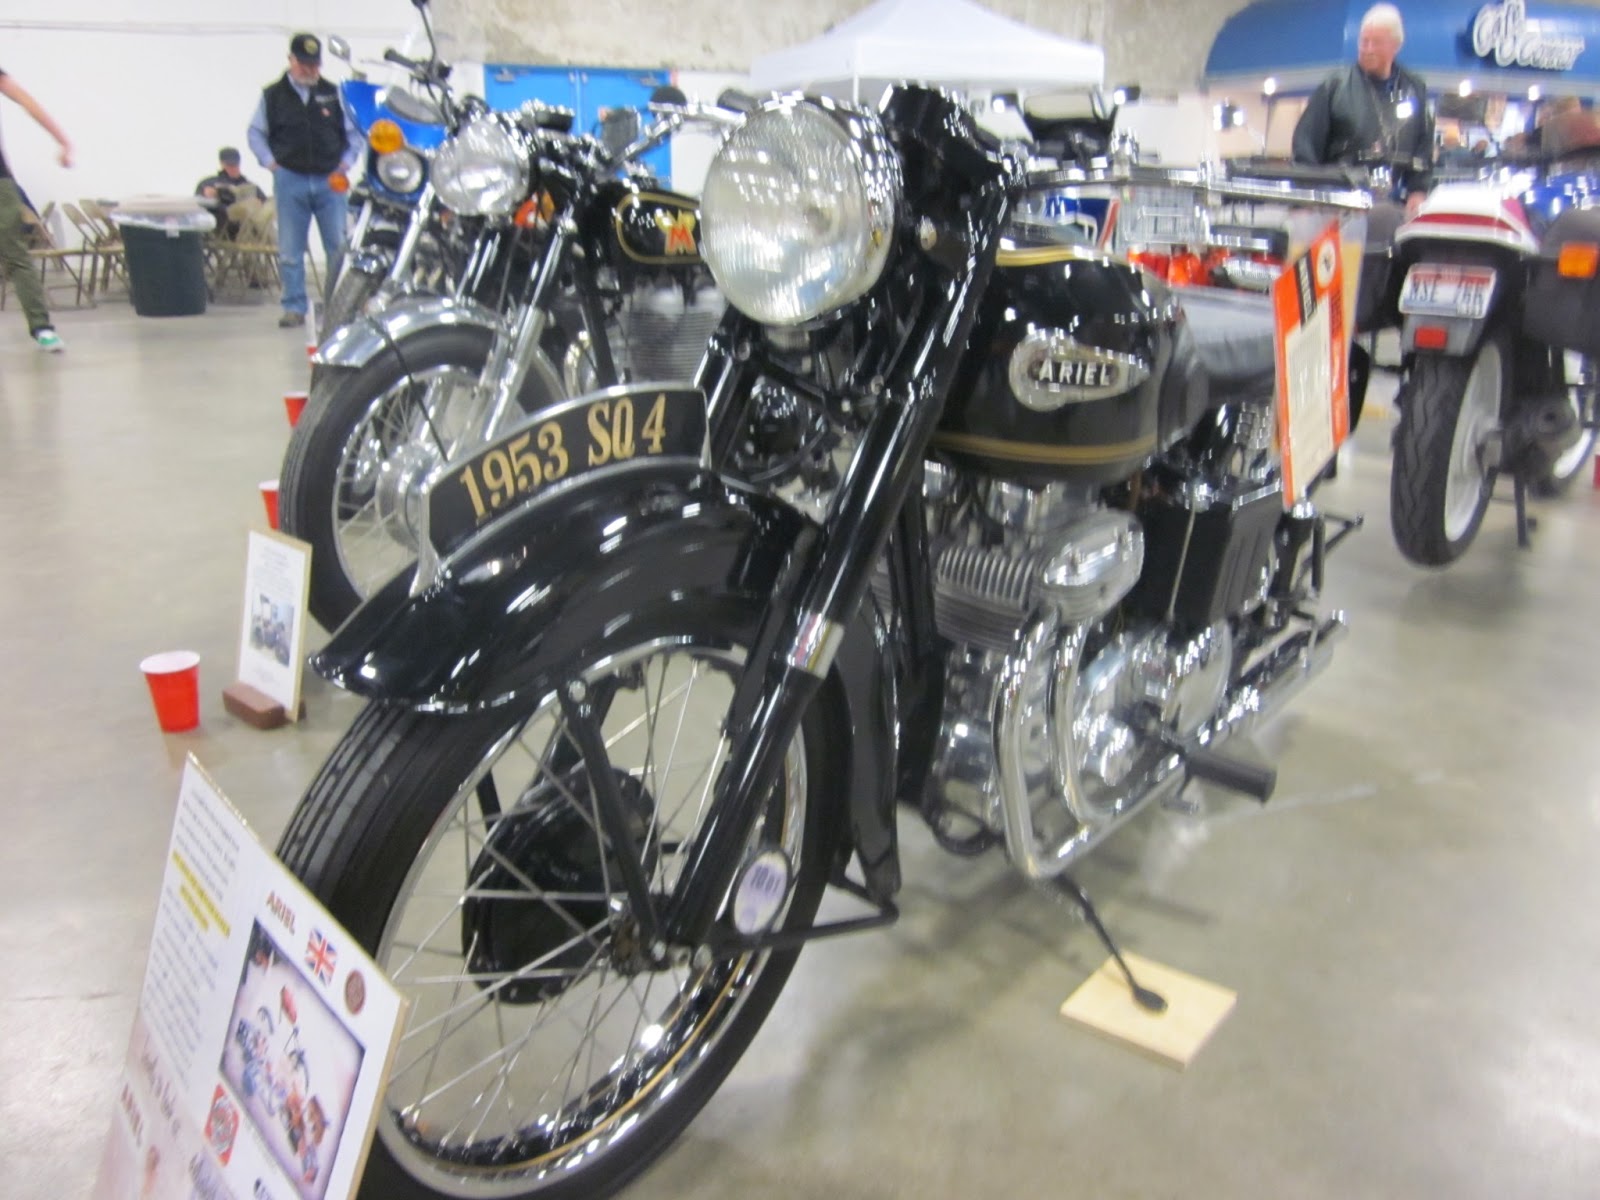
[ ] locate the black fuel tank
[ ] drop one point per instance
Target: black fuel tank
(1079, 371)
(657, 229)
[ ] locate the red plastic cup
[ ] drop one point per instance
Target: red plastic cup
(174, 679)
(295, 404)
(269, 498)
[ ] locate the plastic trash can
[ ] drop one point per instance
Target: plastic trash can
(164, 243)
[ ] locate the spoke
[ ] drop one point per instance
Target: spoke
(510, 978)
(588, 1036)
(656, 827)
(438, 1046)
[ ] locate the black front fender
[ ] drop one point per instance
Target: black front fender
(616, 563)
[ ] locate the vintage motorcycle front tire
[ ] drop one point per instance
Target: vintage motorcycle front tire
(1437, 497)
(340, 401)
(366, 826)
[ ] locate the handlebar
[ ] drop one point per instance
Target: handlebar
(400, 60)
(1204, 182)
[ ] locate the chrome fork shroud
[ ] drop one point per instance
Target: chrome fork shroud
(1033, 705)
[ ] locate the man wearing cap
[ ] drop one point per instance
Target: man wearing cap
(304, 136)
(229, 183)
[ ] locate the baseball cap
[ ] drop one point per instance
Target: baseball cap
(228, 156)
(306, 48)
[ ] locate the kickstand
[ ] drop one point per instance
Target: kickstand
(1146, 999)
(1525, 523)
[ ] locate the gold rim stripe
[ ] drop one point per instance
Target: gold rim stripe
(1035, 452)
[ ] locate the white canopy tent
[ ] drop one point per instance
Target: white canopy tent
(952, 43)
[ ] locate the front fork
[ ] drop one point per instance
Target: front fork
(512, 349)
(398, 279)
(825, 582)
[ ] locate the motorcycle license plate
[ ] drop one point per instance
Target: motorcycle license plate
(617, 427)
(1434, 291)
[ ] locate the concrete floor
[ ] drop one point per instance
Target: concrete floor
(1410, 925)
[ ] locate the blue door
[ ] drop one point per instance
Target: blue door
(585, 90)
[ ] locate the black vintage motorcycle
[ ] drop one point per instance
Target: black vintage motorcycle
(987, 526)
(578, 271)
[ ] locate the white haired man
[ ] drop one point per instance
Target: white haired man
(1373, 111)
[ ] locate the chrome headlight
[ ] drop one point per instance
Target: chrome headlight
(481, 171)
(798, 210)
(400, 171)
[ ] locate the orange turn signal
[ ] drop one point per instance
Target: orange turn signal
(339, 182)
(1578, 260)
(385, 137)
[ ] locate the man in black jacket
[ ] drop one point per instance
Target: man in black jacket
(304, 136)
(1375, 110)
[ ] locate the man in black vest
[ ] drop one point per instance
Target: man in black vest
(302, 134)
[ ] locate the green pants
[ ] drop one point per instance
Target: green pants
(16, 262)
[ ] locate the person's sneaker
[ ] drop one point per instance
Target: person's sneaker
(291, 320)
(49, 340)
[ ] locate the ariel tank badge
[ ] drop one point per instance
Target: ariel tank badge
(1050, 370)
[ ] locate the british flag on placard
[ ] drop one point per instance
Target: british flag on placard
(321, 957)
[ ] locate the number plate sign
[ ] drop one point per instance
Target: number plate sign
(617, 427)
(1440, 291)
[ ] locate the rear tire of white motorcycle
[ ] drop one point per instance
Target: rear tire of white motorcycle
(1423, 443)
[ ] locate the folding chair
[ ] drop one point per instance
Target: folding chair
(108, 240)
(100, 255)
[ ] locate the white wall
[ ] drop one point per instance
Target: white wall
(148, 92)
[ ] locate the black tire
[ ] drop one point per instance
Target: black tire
(1433, 526)
(339, 406)
(348, 299)
(382, 807)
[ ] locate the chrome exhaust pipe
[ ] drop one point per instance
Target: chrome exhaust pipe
(1049, 771)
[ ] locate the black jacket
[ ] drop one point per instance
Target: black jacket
(307, 139)
(1352, 118)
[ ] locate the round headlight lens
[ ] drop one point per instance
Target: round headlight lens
(400, 171)
(798, 211)
(481, 171)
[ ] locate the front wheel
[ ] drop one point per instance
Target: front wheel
(547, 1053)
(1441, 481)
(351, 482)
(1585, 400)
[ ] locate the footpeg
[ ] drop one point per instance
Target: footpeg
(1235, 774)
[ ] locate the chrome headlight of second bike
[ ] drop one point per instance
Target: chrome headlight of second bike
(481, 171)
(798, 210)
(401, 171)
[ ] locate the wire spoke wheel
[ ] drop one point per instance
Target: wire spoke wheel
(541, 1032)
(405, 434)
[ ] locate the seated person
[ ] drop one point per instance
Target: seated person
(228, 193)
(228, 185)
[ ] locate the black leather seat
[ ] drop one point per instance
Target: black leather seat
(1235, 334)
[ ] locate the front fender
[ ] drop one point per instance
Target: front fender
(356, 344)
(616, 561)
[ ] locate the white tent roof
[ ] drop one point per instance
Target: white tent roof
(954, 43)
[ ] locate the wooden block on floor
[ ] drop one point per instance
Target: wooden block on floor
(1195, 1009)
(253, 706)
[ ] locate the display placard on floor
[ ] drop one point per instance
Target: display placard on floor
(277, 588)
(264, 1034)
